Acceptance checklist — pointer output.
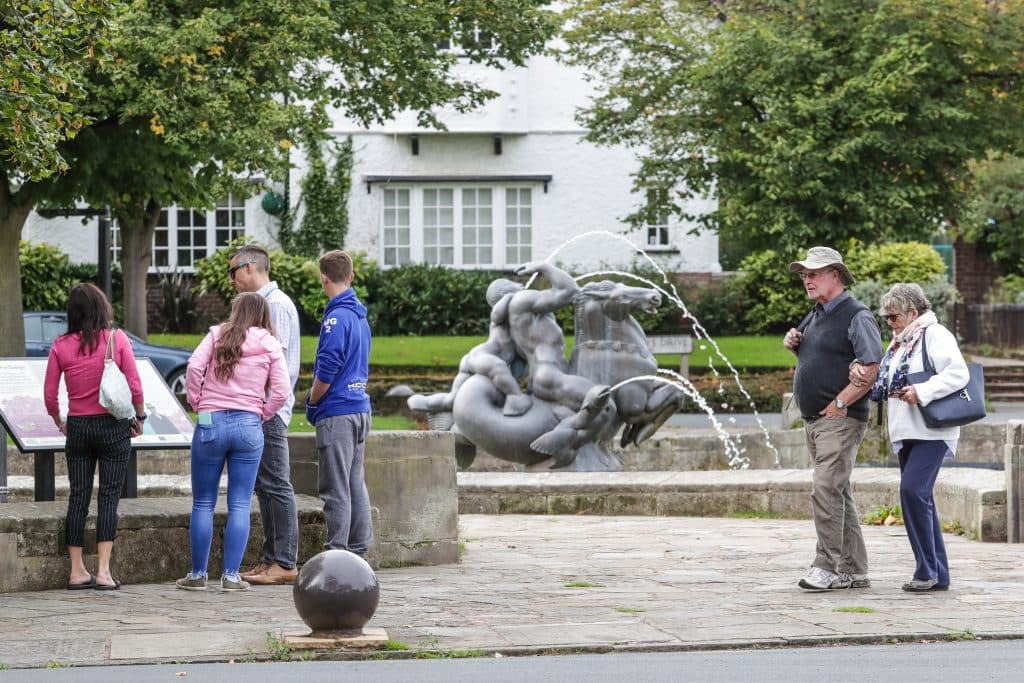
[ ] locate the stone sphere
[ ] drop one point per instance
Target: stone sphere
(336, 591)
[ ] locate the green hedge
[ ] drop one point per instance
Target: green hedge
(47, 274)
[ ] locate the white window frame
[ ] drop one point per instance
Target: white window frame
(453, 44)
(497, 250)
(229, 210)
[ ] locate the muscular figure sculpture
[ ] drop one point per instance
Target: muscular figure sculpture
(493, 359)
(535, 332)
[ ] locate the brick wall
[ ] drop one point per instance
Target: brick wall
(210, 309)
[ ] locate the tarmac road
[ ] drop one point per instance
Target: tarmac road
(960, 661)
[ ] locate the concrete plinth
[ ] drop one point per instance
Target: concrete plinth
(411, 479)
(365, 637)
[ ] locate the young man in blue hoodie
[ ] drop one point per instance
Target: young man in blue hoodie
(340, 407)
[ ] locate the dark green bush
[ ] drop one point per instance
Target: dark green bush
(774, 296)
(419, 299)
(47, 274)
(721, 310)
(296, 276)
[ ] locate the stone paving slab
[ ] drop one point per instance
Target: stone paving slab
(537, 583)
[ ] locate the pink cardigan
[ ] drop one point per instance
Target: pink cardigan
(262, 361)
(82, 373)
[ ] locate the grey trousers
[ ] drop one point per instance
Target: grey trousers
(340, 444)
(276, 497)
(833, 444)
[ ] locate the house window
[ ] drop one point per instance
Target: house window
(657, 229)
(477, 241)
(396, 227)
(183, 236)
(162, 241)
(518, 219)
(470, 227)
(467, 40)
(115, 242)
(230, 218)
(439, 226)
(191, 237)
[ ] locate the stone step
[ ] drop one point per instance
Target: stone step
(973, 497)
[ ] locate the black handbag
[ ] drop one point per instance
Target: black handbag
(961, 407)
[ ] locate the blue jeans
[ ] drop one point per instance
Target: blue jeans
(235, 437)
(920, 462)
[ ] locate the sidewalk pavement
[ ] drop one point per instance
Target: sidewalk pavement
(545, 584)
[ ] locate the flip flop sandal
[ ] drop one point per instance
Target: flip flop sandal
(104, 587)
(91, 583)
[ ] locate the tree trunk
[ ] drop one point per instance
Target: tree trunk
(137, 228)
(12, 220)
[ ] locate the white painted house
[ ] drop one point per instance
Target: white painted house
(504, 185)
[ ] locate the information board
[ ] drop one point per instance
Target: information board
(24, 414)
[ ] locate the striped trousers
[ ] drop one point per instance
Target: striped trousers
(95, 439)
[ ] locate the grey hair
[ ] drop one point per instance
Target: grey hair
(904, 297)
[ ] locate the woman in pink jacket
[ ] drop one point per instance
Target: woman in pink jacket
(237, 378)
(92, 434)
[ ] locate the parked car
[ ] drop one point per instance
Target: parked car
(42, 327)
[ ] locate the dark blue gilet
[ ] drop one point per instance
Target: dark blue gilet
(823, 361)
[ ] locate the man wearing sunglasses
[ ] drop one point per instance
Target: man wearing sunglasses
(838, 332)
(250, 272)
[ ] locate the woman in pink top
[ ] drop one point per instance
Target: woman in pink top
(237, 379)
(93, 435)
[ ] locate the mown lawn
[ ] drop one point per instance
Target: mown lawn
(445, 352)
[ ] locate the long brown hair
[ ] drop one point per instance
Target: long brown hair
(89, 313)
(249, 309)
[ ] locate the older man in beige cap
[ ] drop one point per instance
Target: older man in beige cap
(838, 332)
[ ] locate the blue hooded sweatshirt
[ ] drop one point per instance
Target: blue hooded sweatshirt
(342, 359)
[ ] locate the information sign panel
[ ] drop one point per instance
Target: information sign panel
(24, 414)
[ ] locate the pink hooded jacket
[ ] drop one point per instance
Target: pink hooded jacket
(262, 360)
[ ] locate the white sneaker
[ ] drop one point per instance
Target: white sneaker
(818, 579)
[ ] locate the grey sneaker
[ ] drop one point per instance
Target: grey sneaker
(860, 581)
(851, 581)
(818, 579)
(192, 582)
(923, 586)
(233, 582)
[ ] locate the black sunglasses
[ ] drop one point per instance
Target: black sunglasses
(234, 269)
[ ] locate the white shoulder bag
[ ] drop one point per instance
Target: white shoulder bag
(115, 395)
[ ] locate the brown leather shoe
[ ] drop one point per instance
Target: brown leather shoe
(258, 569)
(275, 576)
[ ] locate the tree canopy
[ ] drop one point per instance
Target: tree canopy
(995, 219)
(45, 47)
(810, 122)
(199, 98)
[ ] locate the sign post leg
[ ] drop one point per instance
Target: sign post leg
(45, 485)
(131, 477)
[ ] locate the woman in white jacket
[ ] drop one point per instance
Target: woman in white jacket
(921, 449)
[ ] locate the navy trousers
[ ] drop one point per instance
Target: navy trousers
(919, 466)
